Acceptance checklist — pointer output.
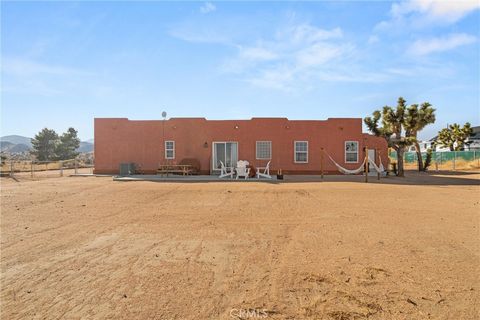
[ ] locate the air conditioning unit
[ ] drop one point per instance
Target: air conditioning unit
(127, 169)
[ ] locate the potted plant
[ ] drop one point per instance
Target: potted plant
(279, 174)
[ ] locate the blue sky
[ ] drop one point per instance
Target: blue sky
(64, 63)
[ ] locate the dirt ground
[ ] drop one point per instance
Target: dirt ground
(92, 248)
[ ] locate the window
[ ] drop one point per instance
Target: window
(351, 151)
(301, 151)
(264, 150)
(169, 149)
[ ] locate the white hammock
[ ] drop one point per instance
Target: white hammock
(379, 169)
(347, 171)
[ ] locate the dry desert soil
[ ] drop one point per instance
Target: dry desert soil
(93, 248)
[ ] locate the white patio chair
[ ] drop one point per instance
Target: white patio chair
(225, 172)
(242, 170)
(264, 172)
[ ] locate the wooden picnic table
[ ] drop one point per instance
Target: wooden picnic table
(184, 169)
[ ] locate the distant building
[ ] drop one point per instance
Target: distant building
(471, 144)
(424, 146)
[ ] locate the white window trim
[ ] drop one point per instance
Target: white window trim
(295, 151)
(345, 151)
(256, 150)
(173, 142)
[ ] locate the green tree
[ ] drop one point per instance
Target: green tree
(454, 136)
(45, 145)
(415, 120)
(69, 143)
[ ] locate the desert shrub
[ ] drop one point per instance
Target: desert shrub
(428, 159)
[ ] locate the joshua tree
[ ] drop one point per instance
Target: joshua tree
(391, 123)
(391, 129)
(415, 120)
(454, 136)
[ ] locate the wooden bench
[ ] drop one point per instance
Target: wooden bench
(184, 169)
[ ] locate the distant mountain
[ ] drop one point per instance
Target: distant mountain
(85, 147)
(9, 147)
(5, 145)
(19, 148)
(15, 139)
(18, 144)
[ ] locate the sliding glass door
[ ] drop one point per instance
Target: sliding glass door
(226, 152)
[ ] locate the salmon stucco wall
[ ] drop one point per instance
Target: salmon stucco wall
(119, 140)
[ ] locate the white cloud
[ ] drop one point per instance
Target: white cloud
(444, 10)
(294, 47)
(279, 78)
(24, 76)
(417, 14)
(317, 54)
(452, 41)
(288, 78)
(293, 57)
(373, 39)
(248, 57)
(31, 87)
(207, 8)
(306, 33)
(23, 67)
(257, 53)
(205, 35)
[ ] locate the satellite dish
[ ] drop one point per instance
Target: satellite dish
(164, 114)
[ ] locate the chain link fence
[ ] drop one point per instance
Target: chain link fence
(445, 160)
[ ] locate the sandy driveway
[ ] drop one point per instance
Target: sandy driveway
(92, 248)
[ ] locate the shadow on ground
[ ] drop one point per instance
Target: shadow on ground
(441, 178)
(411, 178)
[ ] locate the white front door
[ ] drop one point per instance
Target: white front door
(226, 152)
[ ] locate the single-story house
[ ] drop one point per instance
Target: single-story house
(294, 146)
